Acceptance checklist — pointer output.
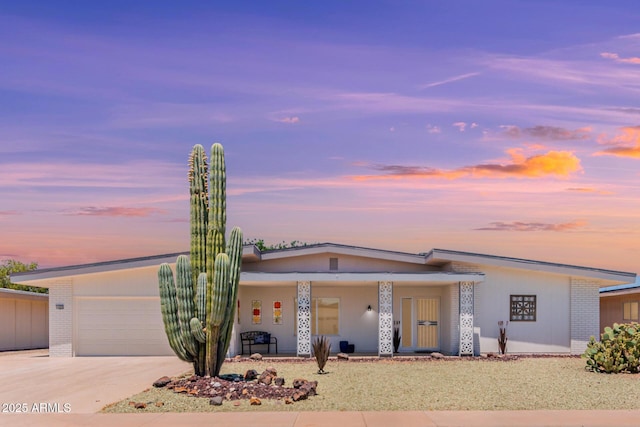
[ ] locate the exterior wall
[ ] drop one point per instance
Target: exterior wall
(585, 313)
(550, 333)
(25, 321)
(61, 320)
(611, 308)
(135, 282)
(320, 263)
(357, 325)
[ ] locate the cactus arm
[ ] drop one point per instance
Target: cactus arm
(218, 307)
(217, 191)
(201, 312)
(199, 193)
(186, 309)
(234, 250)
(196, 330)
(169, 308)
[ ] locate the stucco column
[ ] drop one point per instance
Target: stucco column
(466, 318)
(385, 318)
(304, 319)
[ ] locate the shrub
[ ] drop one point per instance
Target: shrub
(617, 351)
(321, 350)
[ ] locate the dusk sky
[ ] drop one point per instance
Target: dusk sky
(501, 127)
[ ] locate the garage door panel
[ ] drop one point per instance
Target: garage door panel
(120, 327)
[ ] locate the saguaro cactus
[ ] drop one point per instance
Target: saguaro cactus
(198, 307)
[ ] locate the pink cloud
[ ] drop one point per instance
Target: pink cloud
(117, 211)
(533, 226)
(626, 144)
(289, 120)
(617, 58)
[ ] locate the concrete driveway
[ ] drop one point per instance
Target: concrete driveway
(79, 385)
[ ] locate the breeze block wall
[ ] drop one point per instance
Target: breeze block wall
(61, 320)
(585, 313)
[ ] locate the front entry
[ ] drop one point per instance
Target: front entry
(420, 324)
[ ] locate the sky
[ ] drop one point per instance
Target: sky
(500, 127)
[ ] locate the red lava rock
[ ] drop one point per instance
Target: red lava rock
(161, 382)
(255, 401)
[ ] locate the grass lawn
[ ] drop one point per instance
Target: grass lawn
(489, 384)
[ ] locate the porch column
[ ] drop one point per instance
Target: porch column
(385, 318)
(304, 319)
(466, 319)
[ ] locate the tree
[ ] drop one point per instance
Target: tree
(11, 266)
(262, 246)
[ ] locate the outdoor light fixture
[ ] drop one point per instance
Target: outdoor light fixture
(59, 306)
(369, 307)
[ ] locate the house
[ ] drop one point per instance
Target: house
(443, 300)
(24, 320)
(619, 304)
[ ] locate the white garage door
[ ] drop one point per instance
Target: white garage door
(120, 327)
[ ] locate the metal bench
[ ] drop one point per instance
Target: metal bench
(251, 338)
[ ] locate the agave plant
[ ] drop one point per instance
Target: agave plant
(321, 350)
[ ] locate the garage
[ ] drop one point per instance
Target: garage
(116, 326)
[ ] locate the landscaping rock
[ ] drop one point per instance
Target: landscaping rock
(343, 356)
(162, 382)
(216, 401)
(159, 404)
(140, 405)
(265, 378)
(437, 355)
(255, 401)
(250, 375)
(279, 381)
(256, 356)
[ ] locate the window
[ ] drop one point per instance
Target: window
(630, 310)
(325, 316)
(523, 308)
(333, 264)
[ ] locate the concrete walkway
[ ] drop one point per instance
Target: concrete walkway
(86, 384)
(333, 419)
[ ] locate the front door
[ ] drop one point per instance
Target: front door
(420, 324)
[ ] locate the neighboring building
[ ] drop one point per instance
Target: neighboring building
(447, 301)
(24, 322)
(619, 304)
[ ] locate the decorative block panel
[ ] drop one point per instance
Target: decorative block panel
(385, 318)
(304, 319)
(466, 318)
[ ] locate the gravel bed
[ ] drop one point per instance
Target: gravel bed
(428, 384)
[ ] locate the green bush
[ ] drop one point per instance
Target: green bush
(617, 351)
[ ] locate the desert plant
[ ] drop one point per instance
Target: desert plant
(321, 350)
(198, 307)
(617, 351)
(502, 336)
(396, 339)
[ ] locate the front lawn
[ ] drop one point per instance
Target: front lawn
(452, 384)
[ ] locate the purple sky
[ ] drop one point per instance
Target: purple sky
(500, 127)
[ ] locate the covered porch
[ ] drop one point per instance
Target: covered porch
(433, 311)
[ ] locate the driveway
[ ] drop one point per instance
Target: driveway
(78, 385)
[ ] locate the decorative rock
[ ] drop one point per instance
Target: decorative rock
(236, 403)
(437, 355)
(288, 401)
(216, 401)
(272, 371)
(255, 401)
(140, 405)
(216, 384)
(256, 356)
(250, 375)
(265, 378)
(343, 356)
(159, 404)
(162, 382)
(300, 395)
(279, 381)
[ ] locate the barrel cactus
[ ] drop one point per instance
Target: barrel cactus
(198, 304)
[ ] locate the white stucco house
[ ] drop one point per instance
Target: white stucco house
(443, 300)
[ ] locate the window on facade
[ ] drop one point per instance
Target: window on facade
(523, 308)
(325, 316)
(630, 311)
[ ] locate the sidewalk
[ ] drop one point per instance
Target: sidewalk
(617, 418)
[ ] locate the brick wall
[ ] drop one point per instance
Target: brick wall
(585, 313)
(61, 320)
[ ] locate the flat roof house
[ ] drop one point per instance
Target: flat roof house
(443, 300)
